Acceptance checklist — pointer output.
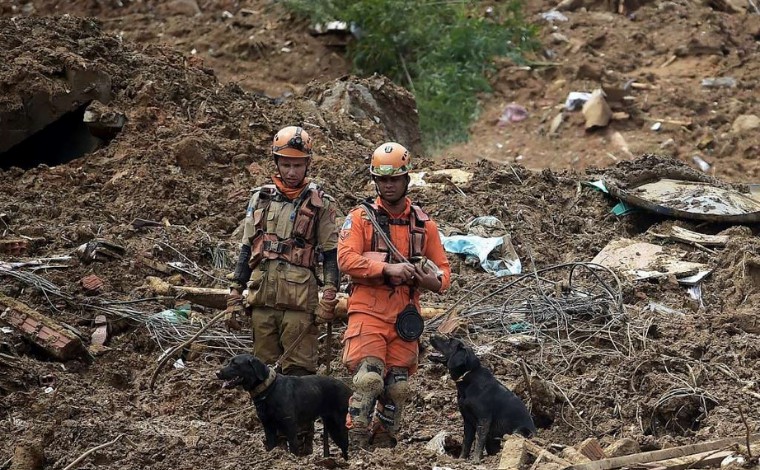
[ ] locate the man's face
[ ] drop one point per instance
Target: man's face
(292, 170)
(391, 188)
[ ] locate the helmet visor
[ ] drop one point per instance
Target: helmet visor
(389, 170)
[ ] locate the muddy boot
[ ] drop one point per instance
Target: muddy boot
(358, 438)
(380, 437)
(306, 440)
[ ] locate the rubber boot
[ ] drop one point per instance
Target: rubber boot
(380, 437)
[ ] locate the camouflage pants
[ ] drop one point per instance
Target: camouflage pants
(274, 331)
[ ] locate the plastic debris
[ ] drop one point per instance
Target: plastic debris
(437, 443)
(576, 99)
(486, 236)
(719, 82)
(513, 113)
(703, 165)
(553, 15)
(656, 126)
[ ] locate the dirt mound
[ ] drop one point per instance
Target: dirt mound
(190, 150)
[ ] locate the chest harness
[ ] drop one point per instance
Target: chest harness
(299, 248)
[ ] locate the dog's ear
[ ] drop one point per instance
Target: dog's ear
(260, 370)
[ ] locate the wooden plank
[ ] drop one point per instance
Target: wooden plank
(684, 235)
(514, 454)
(703, 459)
(592, 449)
(656, 455)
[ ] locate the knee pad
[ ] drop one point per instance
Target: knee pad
(397, 385)
(368, 379)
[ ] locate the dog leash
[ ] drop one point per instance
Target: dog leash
(292, 347)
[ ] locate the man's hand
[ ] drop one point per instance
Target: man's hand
(234, 307)
(326, 309)
(427, 278)
(400, 273)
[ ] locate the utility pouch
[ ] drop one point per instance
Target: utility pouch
(257, 250)
(410, 324)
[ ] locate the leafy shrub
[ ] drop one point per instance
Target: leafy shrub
(440, 50)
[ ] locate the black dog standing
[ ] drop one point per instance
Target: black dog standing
(488, 408)
(287, 403)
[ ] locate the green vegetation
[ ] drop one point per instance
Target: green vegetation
(441, 50)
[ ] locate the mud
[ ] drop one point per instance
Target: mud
(194, 144)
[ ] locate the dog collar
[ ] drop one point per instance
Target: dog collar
(262, 387)
(461, 377)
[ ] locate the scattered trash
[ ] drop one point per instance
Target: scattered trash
(174, 315)
(732, 461)
(641, 260)
(553, 15)
(485, 235)
(691, 200)
(703, 165)
(621, 209)
(99, 249)
(179, 364)
(437, 443)
(668, 144)
(513, 113)
(576, 99)
(719, 82)
(596, 110)
(49, 390)
(6, 330)
(659, 308)
(656, 126)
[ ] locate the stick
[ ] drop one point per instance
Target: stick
(101, 446)
(757, 10)
(6, 464)
(328, 359)
(173, 350)
(749, 434)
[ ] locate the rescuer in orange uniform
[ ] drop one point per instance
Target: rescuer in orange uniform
(381, 343)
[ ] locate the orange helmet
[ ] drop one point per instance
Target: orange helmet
(292, 141)
(390, 159)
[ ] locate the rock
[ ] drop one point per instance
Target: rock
(559, 38)
(192, 153)
(745, 122)
(625, 446)
(596, 111)
(180, 7)
(28, 456)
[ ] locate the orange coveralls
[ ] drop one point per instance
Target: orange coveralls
(372, 309)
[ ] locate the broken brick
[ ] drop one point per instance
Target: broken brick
(92, 284)
(13, 246)
(40, 329)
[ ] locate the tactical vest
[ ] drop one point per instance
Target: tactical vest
(298, 248)
(415, 222)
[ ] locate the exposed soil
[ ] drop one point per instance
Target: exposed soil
(196, 140)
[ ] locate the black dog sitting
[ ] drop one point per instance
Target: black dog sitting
(287, 403)
(489, 409)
